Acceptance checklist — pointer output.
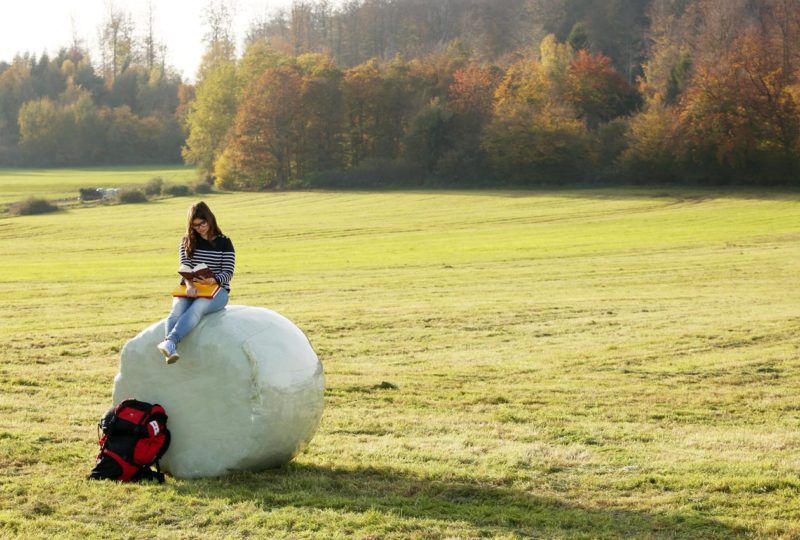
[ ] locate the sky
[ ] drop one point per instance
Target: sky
(37, 26)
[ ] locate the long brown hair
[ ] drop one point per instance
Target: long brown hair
(199, 210)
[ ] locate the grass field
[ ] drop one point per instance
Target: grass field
(18, 184)
(576, 364)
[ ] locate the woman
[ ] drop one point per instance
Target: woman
(202, 243)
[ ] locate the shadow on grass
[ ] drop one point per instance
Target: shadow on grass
(491, 509)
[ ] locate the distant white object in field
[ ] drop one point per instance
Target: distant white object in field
(246, 393)
(93, 194)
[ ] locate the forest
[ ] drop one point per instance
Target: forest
(122, 107)
(379, 93)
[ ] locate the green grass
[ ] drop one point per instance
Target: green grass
(18, 184)
(577, 364)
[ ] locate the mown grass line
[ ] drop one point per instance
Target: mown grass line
(607, 363)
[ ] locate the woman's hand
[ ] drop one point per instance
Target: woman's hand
(207, 281)
(191, 291)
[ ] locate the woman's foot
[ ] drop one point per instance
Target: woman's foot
(169, 350)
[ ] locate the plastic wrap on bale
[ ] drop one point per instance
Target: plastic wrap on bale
(246, 394)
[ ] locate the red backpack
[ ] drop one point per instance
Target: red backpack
(134, 437)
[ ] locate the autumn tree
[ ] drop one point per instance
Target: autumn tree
(380, 102)
(596, 90)
(323, 115)
(61, 129)
(431, 75)
(82, 140)
(534, 137)
(128, 136)
(396, 107)
(556, 59)
(258, 57)
(16, 88)
(470, 100)
(362, 89)
(654, 145)
(472, 91)
(40, 126)
(739, 114)
(768, 55)
(267, 132)
(210, 116)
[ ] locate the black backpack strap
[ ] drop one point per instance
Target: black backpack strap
(159, 475)
(141, 429)
(167, 441)
(146, 474)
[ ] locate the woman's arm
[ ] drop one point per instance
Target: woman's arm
(182, 257)
(228, 264)
(191, 290)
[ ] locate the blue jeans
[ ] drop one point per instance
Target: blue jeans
(187, 312)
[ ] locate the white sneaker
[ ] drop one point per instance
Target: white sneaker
(169, 350)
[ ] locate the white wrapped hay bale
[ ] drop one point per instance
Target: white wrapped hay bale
(246, 394)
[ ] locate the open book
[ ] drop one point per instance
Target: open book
(201, 271)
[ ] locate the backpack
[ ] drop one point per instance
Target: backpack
(134, 437)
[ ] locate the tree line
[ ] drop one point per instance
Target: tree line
(712, 98)
(68, 110)
(453, 92)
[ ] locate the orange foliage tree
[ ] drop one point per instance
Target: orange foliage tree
(265, 138)
(741, 115)
(597, 91)
(469, 108)
(471, 92)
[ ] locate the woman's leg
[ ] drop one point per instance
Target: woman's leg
(179, 307)
(195, 311)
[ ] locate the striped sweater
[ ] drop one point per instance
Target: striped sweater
(219, 257)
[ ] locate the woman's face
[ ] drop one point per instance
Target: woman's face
(201, 227)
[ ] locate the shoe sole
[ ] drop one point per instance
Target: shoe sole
(163, 351)
(173, 358)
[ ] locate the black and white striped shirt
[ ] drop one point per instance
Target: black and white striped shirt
(219, 256)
